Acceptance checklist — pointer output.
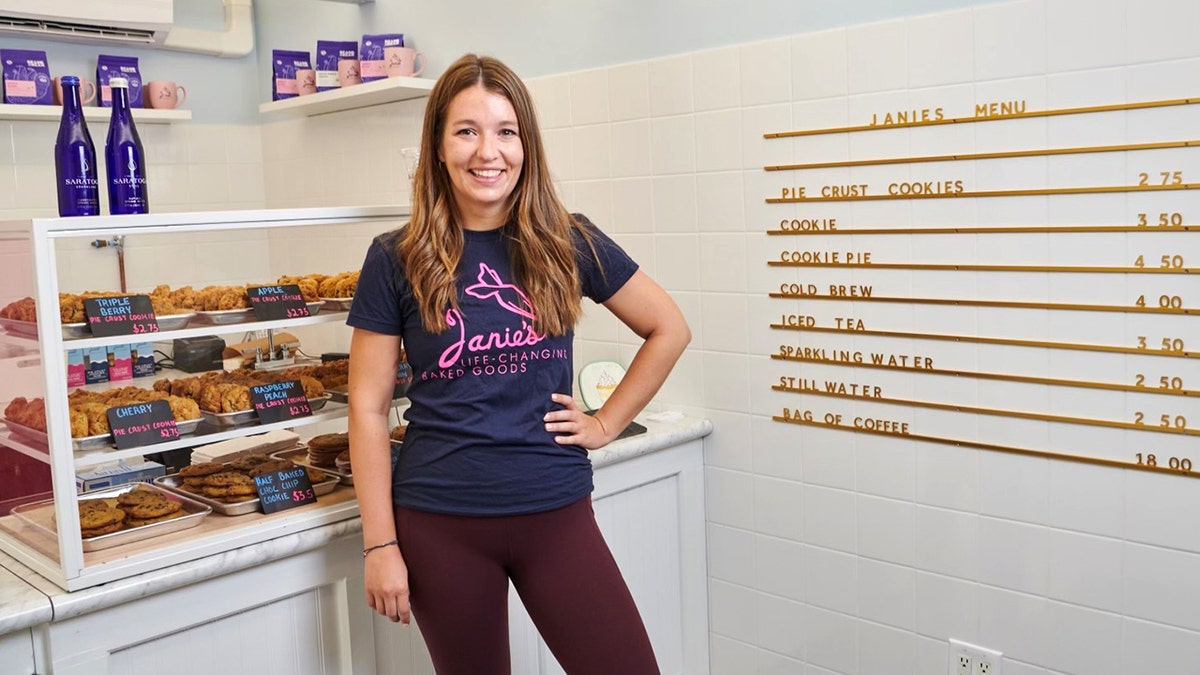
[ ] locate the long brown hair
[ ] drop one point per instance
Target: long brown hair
(539, 228)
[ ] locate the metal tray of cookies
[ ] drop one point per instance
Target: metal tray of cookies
(40, 515)
(237, 419)
(341, 394)
(300, 457)
(224, 316)
(174, 321)
(82, 443)
(74, 331)
(244, 314)
(40, 438)
(338, 304)
(174, 483)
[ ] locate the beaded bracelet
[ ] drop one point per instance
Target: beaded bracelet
(394, 542)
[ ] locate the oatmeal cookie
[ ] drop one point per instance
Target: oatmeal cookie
(234, 499)
(271, 467)
(98, 519)
(215, 492)
(202, 469)
(138, 496)
(138, 522)
(316, 475)
(89, 505)
(324, 449)
(107, 529)
(153, 509)
(228, 479)
(248, 462)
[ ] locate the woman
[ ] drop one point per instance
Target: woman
(493, 482)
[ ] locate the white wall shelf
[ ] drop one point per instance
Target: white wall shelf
(53, 113)
(349, 98)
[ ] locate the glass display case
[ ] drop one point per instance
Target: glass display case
(45, 350)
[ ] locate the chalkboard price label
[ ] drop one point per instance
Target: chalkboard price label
(279, 401)
(277, 302)
(284, 489)
(120, 315)
(140, 424)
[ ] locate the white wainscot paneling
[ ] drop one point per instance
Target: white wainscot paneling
(16, 652)
(300, 619)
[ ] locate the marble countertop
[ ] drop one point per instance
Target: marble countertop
(27, 599)
(21, 604)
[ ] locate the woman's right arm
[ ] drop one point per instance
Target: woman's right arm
(374, 359)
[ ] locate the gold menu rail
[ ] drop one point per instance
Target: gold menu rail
(991, 229)
(1001, 377)
(1045, 152)
(1031, 192)
(1010, 304)
(1012, 450)
(996, 412)
(1009, 342)
(947, 267)
(1053, 112)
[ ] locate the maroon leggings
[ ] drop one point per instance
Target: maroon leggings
(458, 573)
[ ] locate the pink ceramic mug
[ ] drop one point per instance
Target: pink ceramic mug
(306, 81)
(163, 94)
(87, 91)
(348, 73)
(402, 61)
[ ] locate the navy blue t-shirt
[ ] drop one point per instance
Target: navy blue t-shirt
(476, 442)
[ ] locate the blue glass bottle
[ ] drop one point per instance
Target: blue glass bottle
(75, 157)
(123, 157)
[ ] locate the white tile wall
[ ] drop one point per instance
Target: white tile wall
(589, 97)
(191, 167)
(716, 77)
(188, 166)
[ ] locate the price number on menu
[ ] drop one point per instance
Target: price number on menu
(1165, 262)
(284, 489)
(120, 315)
(1163, 220)
(142, 424)
(1164, 301)
(279, 401)
(1175, 463)
(1169, 344)
(1165, 421)
(1160, 178)
(277, 302)
(1165, 382)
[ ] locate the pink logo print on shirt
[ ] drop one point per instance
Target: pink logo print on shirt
(511, 299)
(506, 295)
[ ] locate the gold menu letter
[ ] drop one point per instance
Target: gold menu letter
(1000, 108)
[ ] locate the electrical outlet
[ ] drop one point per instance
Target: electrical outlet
(969, 659)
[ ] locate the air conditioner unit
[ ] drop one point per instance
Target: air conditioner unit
(136, 22)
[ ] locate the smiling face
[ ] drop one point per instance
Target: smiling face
(482, 150)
